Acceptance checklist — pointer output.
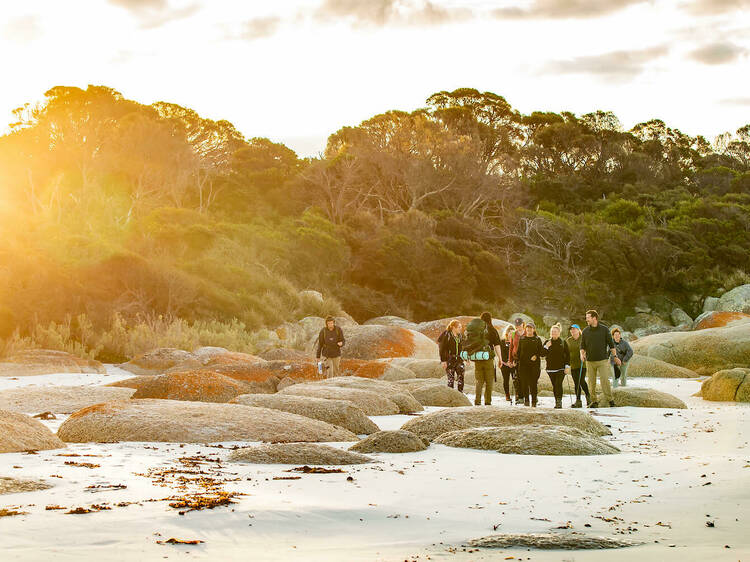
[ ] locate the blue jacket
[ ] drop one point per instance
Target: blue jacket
(624, 351)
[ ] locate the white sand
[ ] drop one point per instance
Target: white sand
(424, 504)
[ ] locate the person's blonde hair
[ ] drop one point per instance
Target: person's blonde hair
(452, 324)
(558, 326)
(509, 329)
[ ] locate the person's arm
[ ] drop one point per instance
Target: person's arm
(545, 348)
(443, 348)
(341, 341)
(582, 350)
(566, 354)
(320, 345)
(611, 343)
(628, 353)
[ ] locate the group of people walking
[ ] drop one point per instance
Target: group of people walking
(594, 353)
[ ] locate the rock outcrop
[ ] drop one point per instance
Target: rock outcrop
(192, 422)
(19, 433)
(396, 393)
(10, 485)
(550, 541)
(433, 392)
(297, 453)
(705, 351)
(58, 399)
(434, 328)
(198, 386)
(369, 402)
(736, 300)
(434, 424)
(399, 441)
(336, 412)
(529, 440)
(645, 366)
(731, 385)
(645, 398)
(379, 342)
(720, 319)
(46, 361)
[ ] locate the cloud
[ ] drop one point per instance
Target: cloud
(716, 7)
(380, 13)
(24, 29)
(259, 28)
(555, 9)
(155, 13)
(718, 53)
(615, 65)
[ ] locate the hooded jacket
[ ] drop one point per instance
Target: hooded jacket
(624, 351)
(529, 347)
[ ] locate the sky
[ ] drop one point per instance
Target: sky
(296, 71)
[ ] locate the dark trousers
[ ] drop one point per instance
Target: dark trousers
(579, 379)
(455, 372)
(528, 376)
(506, 371)
(557, 378)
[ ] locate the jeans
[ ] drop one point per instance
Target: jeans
(622, 370)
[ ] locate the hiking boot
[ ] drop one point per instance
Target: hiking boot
(611, 403)
(577, 404)
(558, 404)
(533, 404)
(526, 402)
(593, 405)
(507, 398)
(588, 400)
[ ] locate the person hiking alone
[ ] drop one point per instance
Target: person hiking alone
(477, 349)
(530, 352)
(597, 346)
(493, 337)
(506, 368)
(558, 362)
(577, 367)
(621, 360)
(330, 342)
(449, 344)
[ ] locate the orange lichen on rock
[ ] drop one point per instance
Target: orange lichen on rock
(201, 386)
(103, 408)
(719, 319)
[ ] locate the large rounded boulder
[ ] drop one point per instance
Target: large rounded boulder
(396, 393)
(379, 342)
(336, 412)
(19, 433)
(371, 403)
(192, 422)
(720, 319)
(421, 368)
(705, 351)
(645, 366)
(731, 385)
(58, 399)
(529, 440)
(736, 300)
(297, 453)
(391, 321)
(645, 398)
(398, 441)
(434, 424)
(47, 361)
(157, 361)
(198, 386)
(433, 392)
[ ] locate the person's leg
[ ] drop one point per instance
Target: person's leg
(479, 377)
(516, 383)
(523, 379)
(623, 374)
(506, 381)
(615, 375)
(327, 367)
(490, 385)
(591, 374)
(460, 367)
(557, 388)
(605, 370)
(533, 386)
(585, 386)
(451, 375)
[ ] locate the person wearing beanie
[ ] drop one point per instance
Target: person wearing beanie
(530, 352)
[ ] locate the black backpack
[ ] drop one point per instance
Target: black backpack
(476, 339)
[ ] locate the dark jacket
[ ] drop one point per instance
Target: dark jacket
(328, 342)
(529, 347)
(505, 351)
(597, 342)
(514, 346)
(450, 347)
(558, 355)
(624, 351)
(493, 336)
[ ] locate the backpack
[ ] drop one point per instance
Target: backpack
(476, 345)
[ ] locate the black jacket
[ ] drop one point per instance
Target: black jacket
(558, 355)
(529, 347)
(328, 342)
(597, 342)
(505, 351)
(450, 347)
